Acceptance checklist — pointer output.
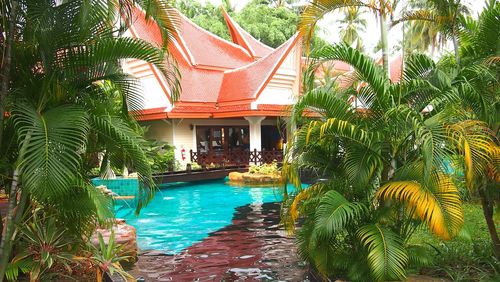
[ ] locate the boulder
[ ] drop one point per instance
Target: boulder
(235, 176)
(254, 178)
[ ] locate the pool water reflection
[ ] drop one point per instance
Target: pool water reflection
(183, 214)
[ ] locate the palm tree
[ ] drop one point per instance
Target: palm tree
(479, 95)
(319, 8)
(420, 35)
(352, 24)
(441, 16)
(60, 80)
(382, 165)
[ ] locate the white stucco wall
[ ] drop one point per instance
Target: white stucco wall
(284, 85)
(161, 130)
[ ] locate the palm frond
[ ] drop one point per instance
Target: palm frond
(165, 15)
(365, 67)
(419, 15)
(438, 203)
(314, 190)
(387, 256)
(360, 165)
(121, 138)
(474, 141)
(316, 10)
(50, 144)
(335, 212)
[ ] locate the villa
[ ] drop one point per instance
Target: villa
(233, 93)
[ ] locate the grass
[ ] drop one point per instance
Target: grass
(469, 257)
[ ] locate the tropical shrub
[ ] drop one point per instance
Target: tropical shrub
(45, 250)
(161, 157)
(265, 169)
(382, 165)
(108, 257)
(68, 97)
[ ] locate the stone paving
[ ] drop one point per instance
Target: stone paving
(252, 248)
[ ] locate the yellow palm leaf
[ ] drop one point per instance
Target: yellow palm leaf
(494, 167)
(440, 208)
(474, 142)
(306, 194)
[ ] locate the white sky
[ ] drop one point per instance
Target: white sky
(330, 29)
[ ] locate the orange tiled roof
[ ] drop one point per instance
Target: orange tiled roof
(214, 70)
(247, 83)
(239, 36)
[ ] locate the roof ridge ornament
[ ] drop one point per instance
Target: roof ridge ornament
(243, 38)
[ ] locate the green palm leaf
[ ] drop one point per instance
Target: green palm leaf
(387, 256)
(319, 8)
(334, 213)
(120, 138)
(365, 67)
(51, 144)
(360, 165)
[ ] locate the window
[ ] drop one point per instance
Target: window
(222, 138)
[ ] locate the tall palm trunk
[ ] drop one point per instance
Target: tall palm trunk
(10, 225)
(456, 47)
(385, 44)
(6, 243)
(6, 63)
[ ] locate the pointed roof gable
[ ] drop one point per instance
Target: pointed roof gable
(207, 49)
(218, 78)
(239, 36)
(247, 83)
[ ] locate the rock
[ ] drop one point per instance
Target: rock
(254, 178)
(236, 176)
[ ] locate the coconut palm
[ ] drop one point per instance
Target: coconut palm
(382, 167)
(319, 8)
(64, 58)
(352, 24)
(443, 16)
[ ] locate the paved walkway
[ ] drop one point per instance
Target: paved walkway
(253, 248)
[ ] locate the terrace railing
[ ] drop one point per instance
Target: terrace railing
(236, 157)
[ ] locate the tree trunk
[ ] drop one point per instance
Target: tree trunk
(385, 44)
(488, 216)
(6, 244)
(456, 47)
(6, 65)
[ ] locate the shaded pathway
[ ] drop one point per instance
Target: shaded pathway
(253, 248)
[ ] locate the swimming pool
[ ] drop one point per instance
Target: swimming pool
(183, 214)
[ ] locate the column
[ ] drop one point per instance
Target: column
(255, 132)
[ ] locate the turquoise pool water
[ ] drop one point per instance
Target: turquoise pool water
(183, 214)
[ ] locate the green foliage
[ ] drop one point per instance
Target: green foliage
(266, 169)
(382, 165)
(207, 16)
(468, 257)
(272, 26)
(269, 23)
(108, 257)
(161, 157)
(68, 99)
(45, 248)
